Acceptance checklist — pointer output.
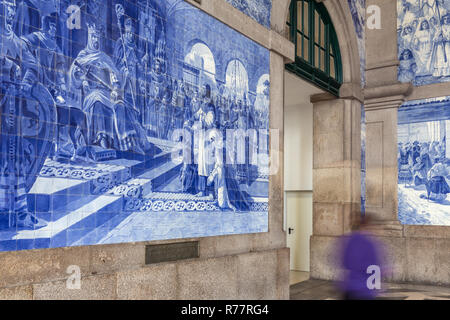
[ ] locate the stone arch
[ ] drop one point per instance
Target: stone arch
(341, 17)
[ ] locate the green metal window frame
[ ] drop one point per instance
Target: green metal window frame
(314, 32)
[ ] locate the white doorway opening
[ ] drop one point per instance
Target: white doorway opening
(298, 172)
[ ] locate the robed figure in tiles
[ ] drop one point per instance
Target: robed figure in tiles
(112, 123)
(27, 117)
(52, 67)
(424, 44)
(128, 62)
(205, 119)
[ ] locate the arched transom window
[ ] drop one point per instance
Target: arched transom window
(318, 57)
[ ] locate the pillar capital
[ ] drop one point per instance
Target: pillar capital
(381, 104)
(386, 97)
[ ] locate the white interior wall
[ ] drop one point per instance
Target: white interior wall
(298, 167)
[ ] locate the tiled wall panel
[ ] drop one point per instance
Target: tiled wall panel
(117, 119)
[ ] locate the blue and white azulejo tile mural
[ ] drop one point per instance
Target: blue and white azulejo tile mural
(424, 162)
(260, 10)
(358, 11)
(126, 121)
(424, 41)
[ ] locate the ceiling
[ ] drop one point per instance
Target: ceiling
(297, 90)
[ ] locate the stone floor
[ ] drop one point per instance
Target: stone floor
(326, 290)
(297, 276)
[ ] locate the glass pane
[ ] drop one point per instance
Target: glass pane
(306, 50)
(306, 17)
(331, 50)
(322, 33)
(299, 44)
(299, 15)
(322, 60)
(316, 23)
(316, 57)
(332, 68)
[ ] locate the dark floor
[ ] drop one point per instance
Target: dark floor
(326, 290)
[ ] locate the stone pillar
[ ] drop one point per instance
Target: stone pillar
(383, 95)
(381, 157)
(336, 177)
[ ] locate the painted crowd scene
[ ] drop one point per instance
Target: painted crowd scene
(424, 41)
(126, 121)
(259, 10)
(424, 162)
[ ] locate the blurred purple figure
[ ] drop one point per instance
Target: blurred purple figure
(359, 252)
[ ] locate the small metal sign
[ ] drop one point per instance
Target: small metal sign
(171, 252)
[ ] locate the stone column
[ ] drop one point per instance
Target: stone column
(383, 95)
(381, 157)
(336, 177)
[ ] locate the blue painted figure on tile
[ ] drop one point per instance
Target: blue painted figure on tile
(27, 110)
(424, 162)
(260, 10)
(423, 28)
(117, 129)
(408, 68)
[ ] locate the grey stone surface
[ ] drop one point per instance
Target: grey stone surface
(26, 267)
(208, 279)
(283, 269)
(110, 258)
(324, 258)
(328, 290)
(100, 287)
(16, 293)
(254, 285)
(158, 282)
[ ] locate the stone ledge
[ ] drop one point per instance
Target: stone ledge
(430, 91)
(408, 260)
(267, 277)
(239, 21)
(388, 96)
(429, 232)
(383, 64)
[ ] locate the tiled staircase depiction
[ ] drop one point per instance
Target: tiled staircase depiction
(83, 203)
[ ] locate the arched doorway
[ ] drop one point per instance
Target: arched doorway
(324, 80)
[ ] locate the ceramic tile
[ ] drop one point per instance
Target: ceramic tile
(112, 121)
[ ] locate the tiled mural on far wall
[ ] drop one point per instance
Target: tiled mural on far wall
(260, 10)
(126, 121)
(424, 162)
(424, 41)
